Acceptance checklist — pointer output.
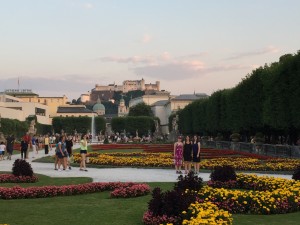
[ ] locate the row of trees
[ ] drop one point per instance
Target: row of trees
(266, 101)
(77, 124)
(19, 128)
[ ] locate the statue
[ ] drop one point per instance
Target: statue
(32, 129)
(156, 126)
(174, 123)
(137, 133)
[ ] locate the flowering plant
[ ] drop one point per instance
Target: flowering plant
(10, 178)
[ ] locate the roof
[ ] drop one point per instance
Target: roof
(160, 103)
(73, 110)
(190, 97)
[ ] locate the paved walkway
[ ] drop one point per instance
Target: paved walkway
(106, 175)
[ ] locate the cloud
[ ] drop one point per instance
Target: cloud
(146, 38)
(88, 6)
(165, 66)
(267, 50)
(184, 70)
(70, 85)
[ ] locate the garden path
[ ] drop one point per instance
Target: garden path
(107, 174)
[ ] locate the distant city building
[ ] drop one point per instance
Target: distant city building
(15, 108)
(150, 99)
(99, 108)
(122, 109)
(28, 96)
(74, 111)
(85, 98)
(164, 108)
(129, 85)
(181, 101)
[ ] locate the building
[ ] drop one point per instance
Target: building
(150, 99)
(28, 96)
(15, 108)
(128, 85)
(181, 101)
(74, 111)
(122, 108)
(161, 110)
(99, 108)
(164, 108)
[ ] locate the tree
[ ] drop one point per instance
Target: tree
(140, 109)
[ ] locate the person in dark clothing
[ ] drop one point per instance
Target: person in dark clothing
(24, 147)
(187, 154)
(10, 145)
(69, 146)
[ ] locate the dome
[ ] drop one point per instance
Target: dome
(98, 106)
(122, 100)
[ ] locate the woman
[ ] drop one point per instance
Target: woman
(178, 146)
(60, 152)
(83, 152)
(187, 154)
(196, 154)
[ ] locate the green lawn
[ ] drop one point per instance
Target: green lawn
(99, 208)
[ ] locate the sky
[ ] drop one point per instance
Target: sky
(57, 47)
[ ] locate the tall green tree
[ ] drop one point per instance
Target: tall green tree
(140, 109)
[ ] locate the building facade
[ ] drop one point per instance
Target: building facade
(28, 96)
(15, 108)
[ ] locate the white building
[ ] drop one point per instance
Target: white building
(164, 108)
(15, 108)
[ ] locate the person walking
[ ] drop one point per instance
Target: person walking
(10, 145)
(27, 139)
(196, 154)
(2, 150)
(34, 146)
(69, 147)
(60, 153)
(187, 154)
(23, 148)
(178, 151)
(83, 152)
(46, 144)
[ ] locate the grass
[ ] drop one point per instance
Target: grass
(99, 208)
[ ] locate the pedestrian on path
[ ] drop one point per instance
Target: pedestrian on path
(46, 144)
(187, 154)
(23, 148)
(2, 150)
(196, 154)
(178, 151)
(83, 152)
(10, 145)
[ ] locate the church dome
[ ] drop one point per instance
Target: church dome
(98, 106)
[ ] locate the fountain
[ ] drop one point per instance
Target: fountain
(93, 129)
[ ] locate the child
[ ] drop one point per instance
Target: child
(2, 150)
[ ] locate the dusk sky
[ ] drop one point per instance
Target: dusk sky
(59, 47)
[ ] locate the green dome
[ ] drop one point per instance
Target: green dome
(98, 106)
(122, 100)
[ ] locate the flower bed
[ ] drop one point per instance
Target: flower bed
(52, 191)
(206, 213)
(10, 178)
(138, 159)
(266, 196)
(131, 191)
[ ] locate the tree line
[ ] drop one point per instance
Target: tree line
(265, 101)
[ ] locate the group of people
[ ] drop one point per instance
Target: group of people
(187, 152)
(64, 152)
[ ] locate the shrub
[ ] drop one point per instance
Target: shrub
(296, 174)
(22, 168)
(223, 174)
(190, 181)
